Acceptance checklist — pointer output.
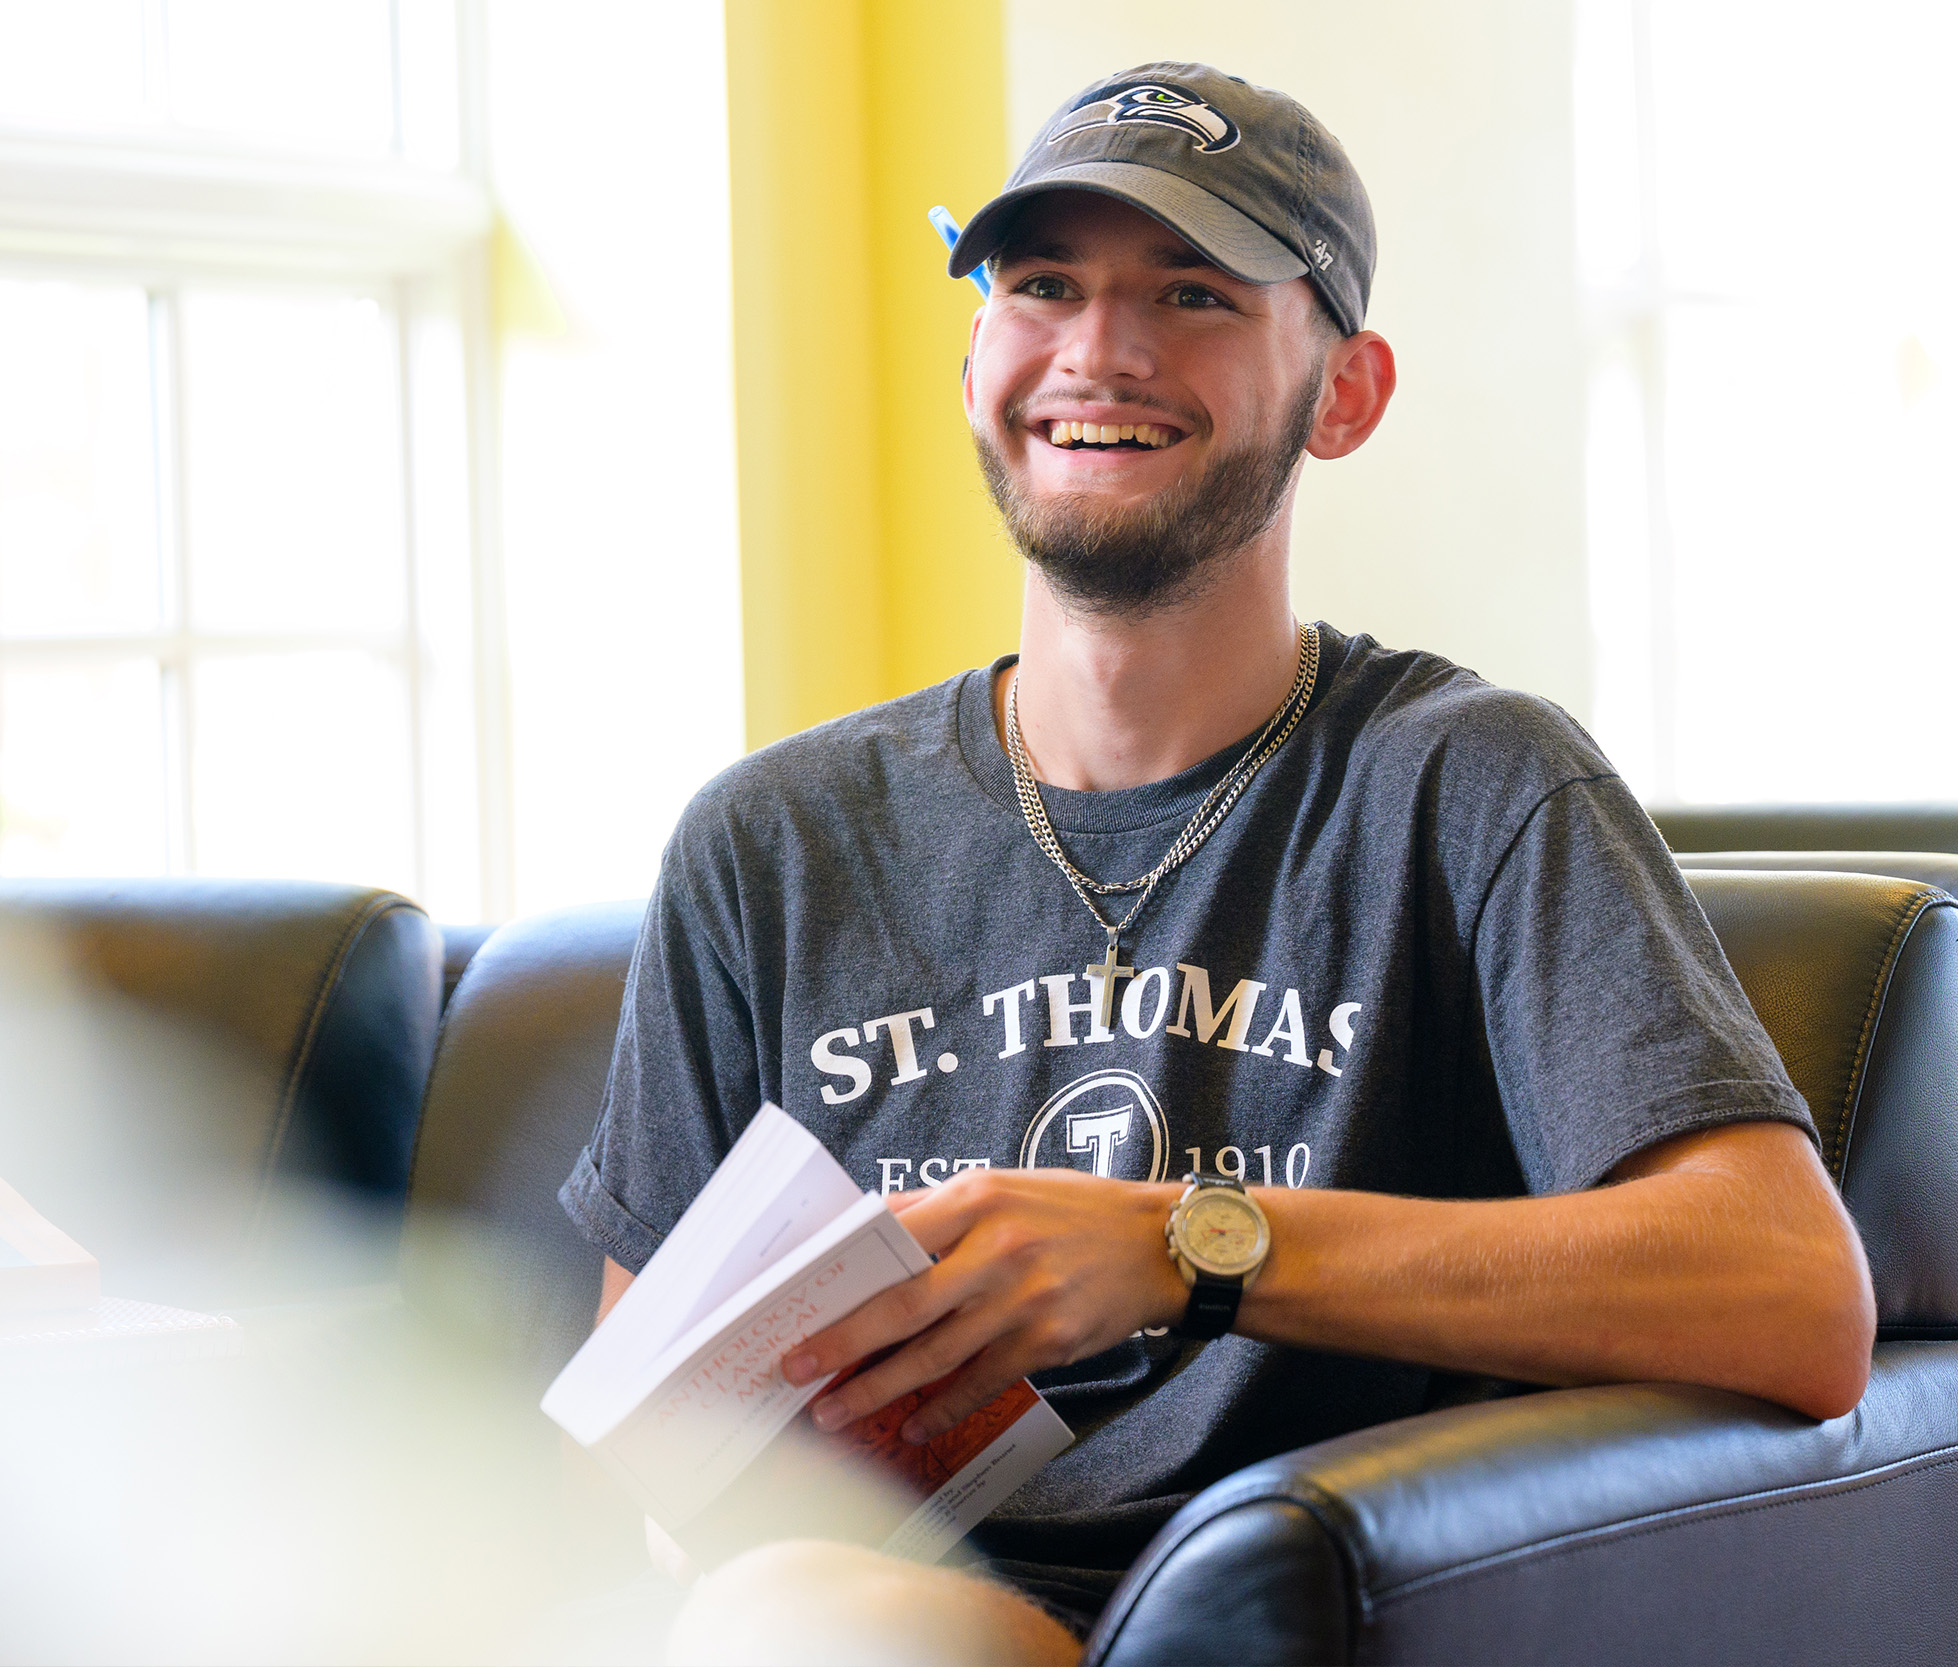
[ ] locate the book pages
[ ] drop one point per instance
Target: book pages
(680, 1392)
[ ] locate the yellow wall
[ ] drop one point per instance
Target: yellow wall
(871, 563)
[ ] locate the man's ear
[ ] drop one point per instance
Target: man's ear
(1359, 382)
(971, 347)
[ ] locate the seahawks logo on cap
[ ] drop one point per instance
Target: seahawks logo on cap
(1157, 104)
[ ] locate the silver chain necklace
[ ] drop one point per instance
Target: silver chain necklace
(1201, 825)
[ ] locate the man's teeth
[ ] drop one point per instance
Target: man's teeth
(1107, 434)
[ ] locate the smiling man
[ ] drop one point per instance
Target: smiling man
(1385, 963)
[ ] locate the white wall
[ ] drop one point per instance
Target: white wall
(1459, 527)
(608, 154)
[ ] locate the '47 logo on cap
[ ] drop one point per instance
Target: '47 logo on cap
(1156, 103)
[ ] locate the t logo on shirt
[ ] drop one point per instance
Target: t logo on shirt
(1099, 1132)
(1109, 1123)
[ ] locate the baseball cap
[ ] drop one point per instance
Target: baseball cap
(1246, 176)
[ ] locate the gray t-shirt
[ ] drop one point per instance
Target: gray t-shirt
(1436, 949)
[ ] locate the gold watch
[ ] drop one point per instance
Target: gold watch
(1218, 1238)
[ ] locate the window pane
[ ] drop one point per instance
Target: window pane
(1605, 133)
(293, 463)
(77, 479)
(300, 768)
(430, 118)
(1806, 145)
(317, 73)
(1813, 508)
(1798, 364)
(1624, 698)
(452, 825)
(71, 63)
(81, 769)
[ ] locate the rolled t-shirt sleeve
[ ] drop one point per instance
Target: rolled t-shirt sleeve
(1613, 1018)
(684, 1069)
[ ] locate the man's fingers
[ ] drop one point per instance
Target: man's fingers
(940, 1351)
(994, 1370)
(938, 1219)
(889, 1317)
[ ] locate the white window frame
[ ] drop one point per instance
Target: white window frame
(1626, 324)
(167, 211)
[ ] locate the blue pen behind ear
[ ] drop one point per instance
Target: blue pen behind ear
(948, 228)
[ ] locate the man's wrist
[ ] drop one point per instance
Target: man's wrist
(1166, 1296)
(1218, 1238)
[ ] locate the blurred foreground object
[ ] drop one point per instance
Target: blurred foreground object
(350, 1485)
(216, 1087)
(51, 1303)
(42, 1270)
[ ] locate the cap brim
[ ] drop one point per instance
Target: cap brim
(1230, 240)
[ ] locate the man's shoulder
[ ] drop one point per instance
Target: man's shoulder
(835, 773)
(1420, 710)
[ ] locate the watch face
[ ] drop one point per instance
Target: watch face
(1222, 1233)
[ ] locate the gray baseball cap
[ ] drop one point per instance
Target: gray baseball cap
(1246, 176)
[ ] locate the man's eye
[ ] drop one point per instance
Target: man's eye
(1195, 295)
(1045, 287)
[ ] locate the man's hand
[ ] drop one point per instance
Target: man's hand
(1035, 1269)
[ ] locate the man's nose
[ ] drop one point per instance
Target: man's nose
(1106, 340)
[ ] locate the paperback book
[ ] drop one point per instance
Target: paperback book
(680, 1392)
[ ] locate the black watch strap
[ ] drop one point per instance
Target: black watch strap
(1212, 1309)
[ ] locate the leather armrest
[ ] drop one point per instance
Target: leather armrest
(1632, 1523)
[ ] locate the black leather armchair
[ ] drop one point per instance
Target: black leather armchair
(217, 1059)
(1634, 1523)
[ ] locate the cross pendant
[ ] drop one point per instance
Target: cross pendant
(1107, 971)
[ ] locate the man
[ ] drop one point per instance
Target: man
(1401, 955)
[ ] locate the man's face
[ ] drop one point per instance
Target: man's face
(1102, 316)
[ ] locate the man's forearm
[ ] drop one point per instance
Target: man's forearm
(1722, 1259)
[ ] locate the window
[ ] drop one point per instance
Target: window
(1766, 239)
(246, 620)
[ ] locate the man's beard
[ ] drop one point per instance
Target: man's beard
(1136, 561)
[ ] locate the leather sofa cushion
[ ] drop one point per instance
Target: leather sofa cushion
(459, 946)
(1931, 868)
(213, 1060)
(1855, 977)
(518, 1076)
(1932, 827)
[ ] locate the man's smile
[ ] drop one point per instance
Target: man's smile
(1127, 436)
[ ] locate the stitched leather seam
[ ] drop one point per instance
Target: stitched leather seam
(302, 1053)
(1657, 1522)
(1852, 1092)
